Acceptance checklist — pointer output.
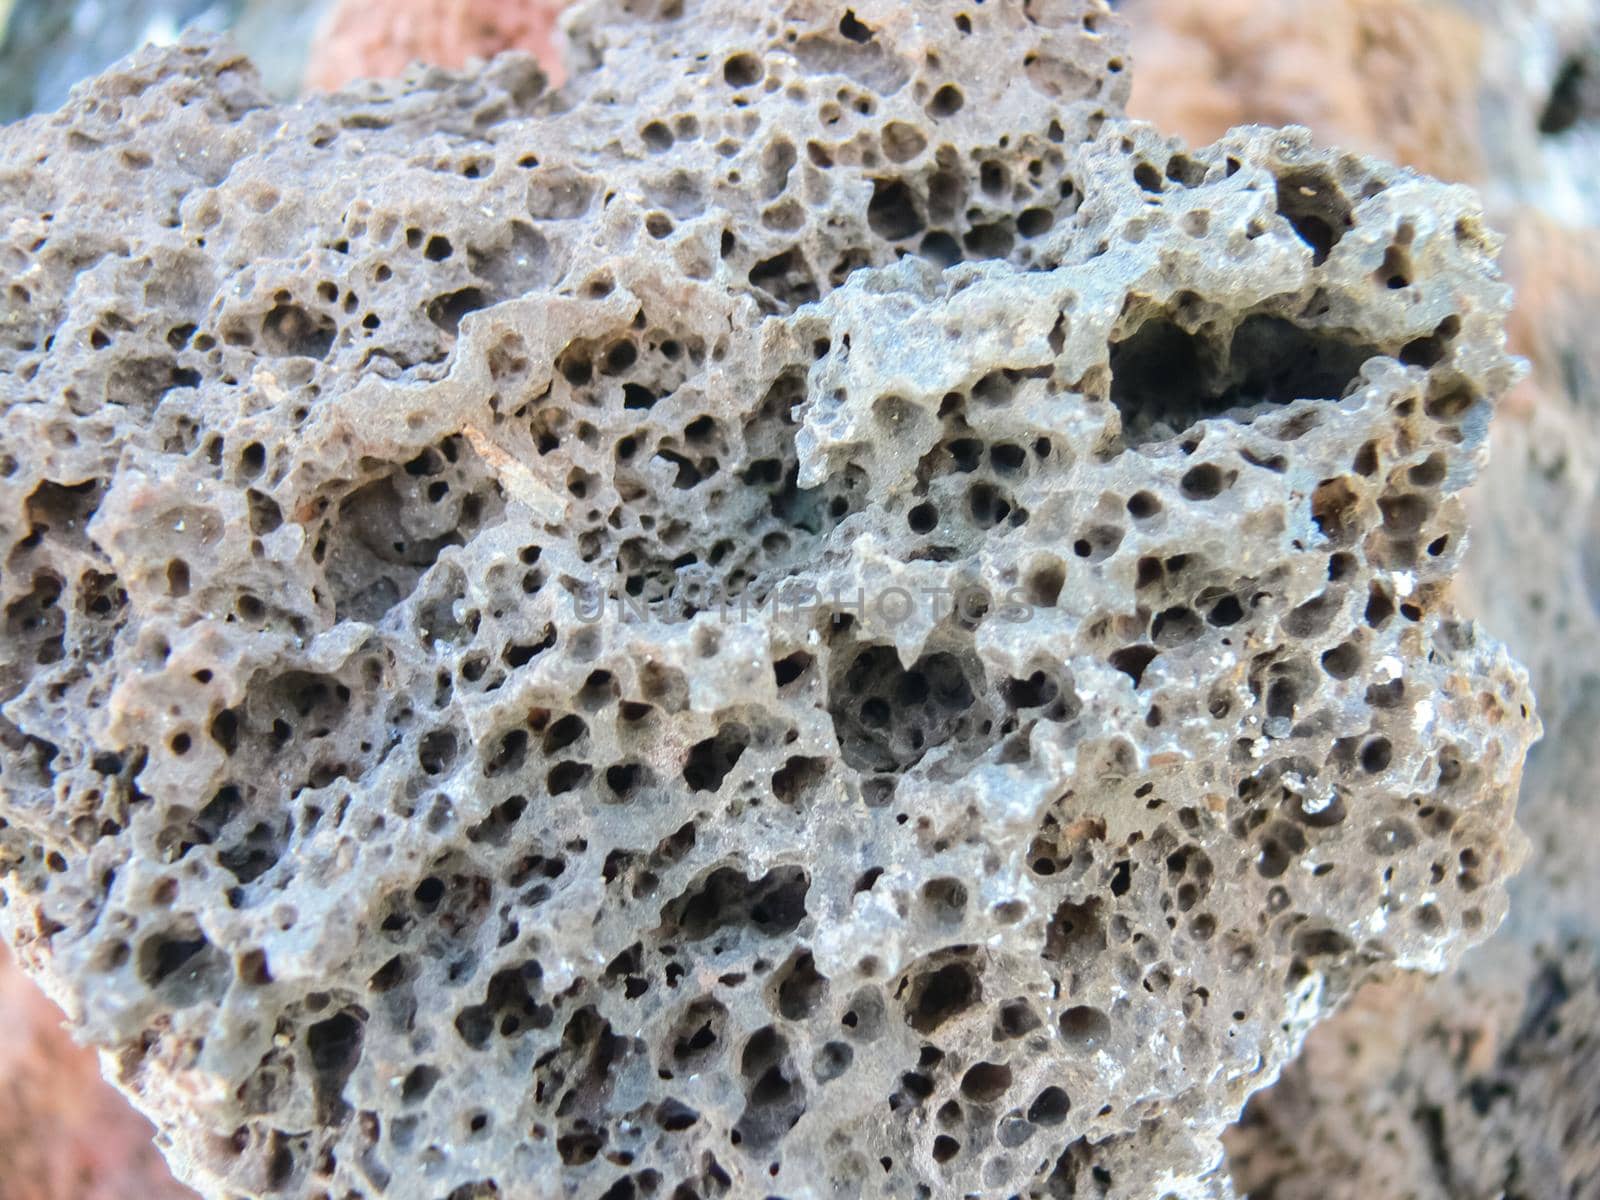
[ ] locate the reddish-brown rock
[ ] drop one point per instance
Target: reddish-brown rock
(65, 1134)
(1390, 77)
(445, 33)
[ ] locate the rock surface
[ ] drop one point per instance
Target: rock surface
(392, 795)
(1481, 1084)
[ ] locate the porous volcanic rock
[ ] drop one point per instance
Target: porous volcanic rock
(816, 613)
(1480, 1085)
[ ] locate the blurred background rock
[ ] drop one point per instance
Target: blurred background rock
(65, 1134)
(49, 45)
(446, 33)
(1483, 1085)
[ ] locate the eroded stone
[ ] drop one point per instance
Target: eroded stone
(464, 735)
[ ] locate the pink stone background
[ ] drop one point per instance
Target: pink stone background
(445, 33)
(65, 1134)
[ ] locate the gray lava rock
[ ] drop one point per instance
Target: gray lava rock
(816, 613)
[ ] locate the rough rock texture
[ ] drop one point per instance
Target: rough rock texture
(444, 33)
(383, 858)
(1481, 1085)
(1486, 1085)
